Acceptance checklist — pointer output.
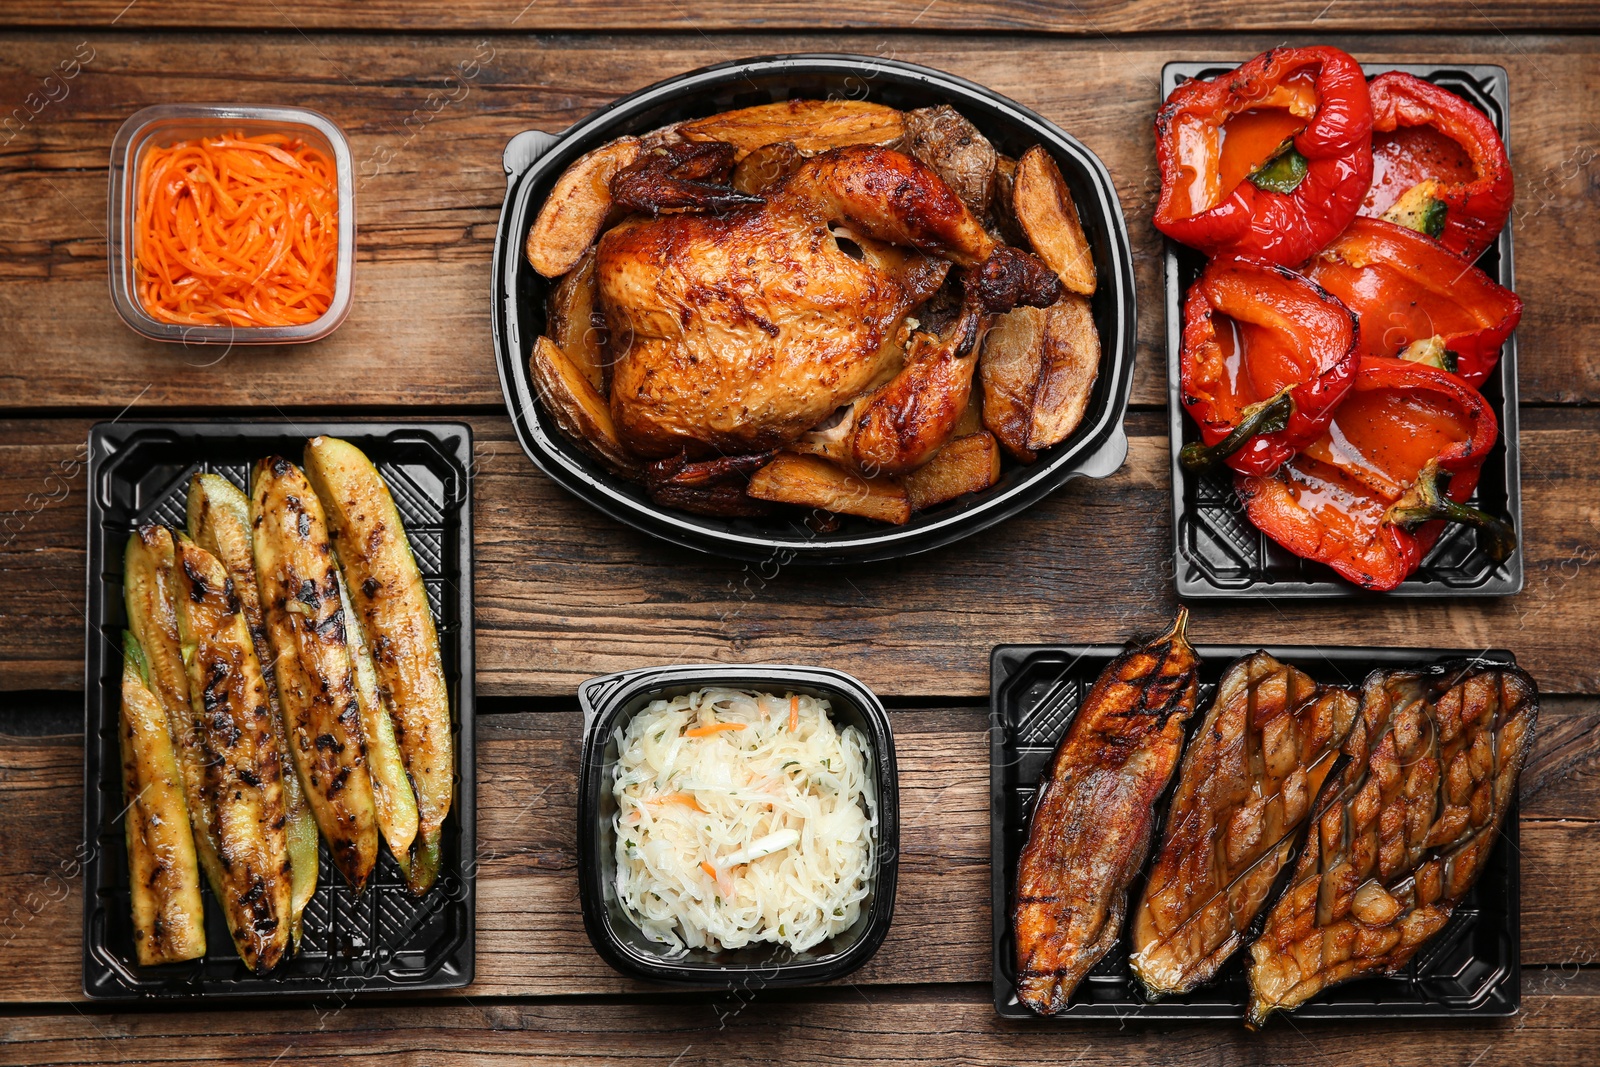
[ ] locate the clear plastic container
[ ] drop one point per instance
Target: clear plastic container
(165, 124)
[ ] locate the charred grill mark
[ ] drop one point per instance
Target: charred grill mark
(1113, 762)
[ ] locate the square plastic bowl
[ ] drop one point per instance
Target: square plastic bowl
(165, 124)
(608, 703)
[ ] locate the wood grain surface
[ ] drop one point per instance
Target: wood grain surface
(427, 143)
(428, 95)
(901, 1027)
(563, 593)
(529, 943)
(1081, 17)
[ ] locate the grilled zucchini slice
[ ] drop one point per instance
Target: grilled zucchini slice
(169, 922)
(243, 772)
(306, 628)
(392, 610)
(149, 588)
(391, 789)
(219, 522)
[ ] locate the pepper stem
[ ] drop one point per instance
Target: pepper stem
(1269, 416)
(1425, 501)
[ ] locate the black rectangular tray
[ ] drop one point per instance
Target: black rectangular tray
(386, 940)
(1219, 552)
(1471, 969)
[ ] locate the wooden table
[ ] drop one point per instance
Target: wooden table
(428, 95)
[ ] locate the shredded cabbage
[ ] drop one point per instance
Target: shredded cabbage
(732, 828)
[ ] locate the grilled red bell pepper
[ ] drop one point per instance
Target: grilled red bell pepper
(1270, 160)
(1408, 290)
(1438, 165)
(1372, 495)
(1266, 357)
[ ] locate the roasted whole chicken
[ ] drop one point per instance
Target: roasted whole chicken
(810, 278)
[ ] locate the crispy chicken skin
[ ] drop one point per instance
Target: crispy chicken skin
(738, 332)
(1097, 805)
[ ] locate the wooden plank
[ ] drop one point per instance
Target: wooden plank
(531, 943)
(428, 153)
(894, 1028)
(564, 593)
(1083, 17)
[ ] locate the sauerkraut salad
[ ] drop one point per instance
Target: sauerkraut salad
(743, 817)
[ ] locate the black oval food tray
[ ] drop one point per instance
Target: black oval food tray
(387, 939)
(609, 702)
(1219, 552)
(1471, 969)
(533, 162)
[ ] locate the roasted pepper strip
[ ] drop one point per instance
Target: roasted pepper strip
(1408, 289)
(1266, 358)
(1270, 160)
(1439, 165)
(1402, 453)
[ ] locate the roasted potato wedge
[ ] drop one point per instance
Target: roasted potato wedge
(1067, 373)
(765, 167)
(812, 126)
(965, 465)
(971, 420)
(812, 482)
(391, 609)
(306, 625)
(1038, 368)
(578, 409)
(244, 766)
(1046, 213)
(169, 922)
(219, 522)
(574, 325)
(943, 139)
(576, 208)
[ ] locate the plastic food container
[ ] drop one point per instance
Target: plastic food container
(1471, 968)
(385, 940)
(165, 124)
(534, 160)
(608, 703)
(1219, 553)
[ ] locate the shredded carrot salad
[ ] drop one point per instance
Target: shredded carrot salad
(237, 230)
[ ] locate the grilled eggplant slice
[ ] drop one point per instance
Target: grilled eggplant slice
(1245, 790)
(169, 922)
(391, 607)
(243, 769)
(1402, 833)
(219, 522)
(391, 789)
(1096, 808)
(306, 626)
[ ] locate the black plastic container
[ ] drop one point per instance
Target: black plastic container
(1220, 553)
(1471, 969)
(608, 703)
(387, 939)
(533, 162)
